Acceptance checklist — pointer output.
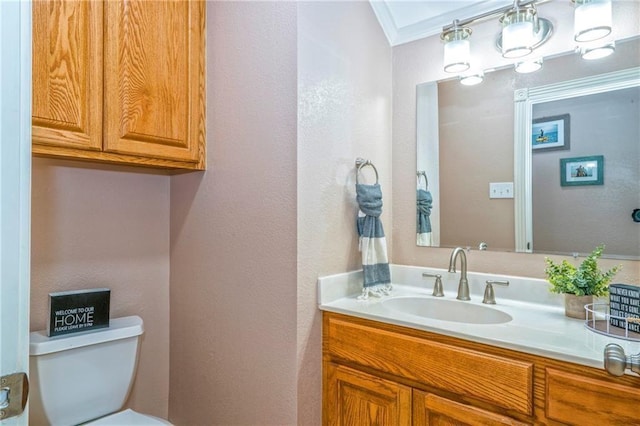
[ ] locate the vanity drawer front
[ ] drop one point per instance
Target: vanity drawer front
(580, 400)
(500, 381)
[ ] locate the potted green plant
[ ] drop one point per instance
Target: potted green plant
(579, 284)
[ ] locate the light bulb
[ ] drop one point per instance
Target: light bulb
(592, 20)
(457, 49)
(518, 32)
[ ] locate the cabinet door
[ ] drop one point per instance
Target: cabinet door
(154, 78)
(67, 74)
(433, 410)
(355, 398)
(580, 400)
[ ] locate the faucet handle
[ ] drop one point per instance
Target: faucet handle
(437, 287)
(489, 295)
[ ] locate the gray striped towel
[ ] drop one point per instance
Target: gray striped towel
(373, 245)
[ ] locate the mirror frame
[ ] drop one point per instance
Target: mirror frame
(524, 100)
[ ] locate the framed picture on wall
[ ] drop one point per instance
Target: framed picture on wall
(550, 133)
(582, 171)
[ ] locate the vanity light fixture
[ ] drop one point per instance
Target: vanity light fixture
(519, 26)
(472, 79)
(527, 67)
(592, 20)
(522, 32)
(457, 48)
(597, 52)
(543, 33)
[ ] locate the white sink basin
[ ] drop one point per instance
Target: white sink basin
(446, 310)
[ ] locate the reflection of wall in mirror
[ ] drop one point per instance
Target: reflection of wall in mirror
(602, 124)
(476, 146)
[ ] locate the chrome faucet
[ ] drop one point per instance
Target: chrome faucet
(463, 285)
(489, 294)
(437, 287)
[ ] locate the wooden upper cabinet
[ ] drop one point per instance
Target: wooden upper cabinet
(152, 78)
(120, 81)
(67, 74)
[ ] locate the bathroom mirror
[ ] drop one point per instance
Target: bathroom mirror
(473, 146)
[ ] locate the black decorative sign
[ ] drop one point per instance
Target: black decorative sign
(624, 302)
(78, 310)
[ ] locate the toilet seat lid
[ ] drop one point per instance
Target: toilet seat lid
(129, 417)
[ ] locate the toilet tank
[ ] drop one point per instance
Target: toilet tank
(80, 377)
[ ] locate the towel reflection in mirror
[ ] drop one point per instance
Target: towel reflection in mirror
(424, 203)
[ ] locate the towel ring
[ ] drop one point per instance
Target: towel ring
(360, 163)
(426, 181)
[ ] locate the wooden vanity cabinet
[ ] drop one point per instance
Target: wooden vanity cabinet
(381, 374)
(120, 82)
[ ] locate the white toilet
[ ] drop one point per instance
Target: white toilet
(86, 378)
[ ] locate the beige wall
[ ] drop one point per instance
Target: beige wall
(344, 101)
(233, 230)
(238, 311)
(421, 61)
(96, 226)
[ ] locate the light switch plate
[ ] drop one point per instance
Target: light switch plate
(501, 190)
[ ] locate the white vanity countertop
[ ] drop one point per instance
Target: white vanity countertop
(539, 325)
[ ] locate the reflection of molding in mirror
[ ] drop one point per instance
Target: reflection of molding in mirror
(584, 96)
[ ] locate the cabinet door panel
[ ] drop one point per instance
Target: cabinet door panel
(67, 74)
(154, 73)
(579, 400)
(434, 410)
(355, 398)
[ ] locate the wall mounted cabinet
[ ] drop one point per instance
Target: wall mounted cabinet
(120, 82)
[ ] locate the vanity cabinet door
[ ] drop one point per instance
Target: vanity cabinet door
(578, 400)
(356, 398)
(433, 410)
(154, 79)
(67, 75)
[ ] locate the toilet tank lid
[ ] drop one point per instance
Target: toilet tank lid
(119, 328)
